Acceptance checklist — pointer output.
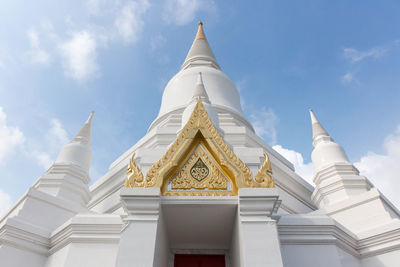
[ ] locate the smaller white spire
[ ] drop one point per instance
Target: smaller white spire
(326, 151)
(68, 177)
(336, 179)
(200, 91)
(78, 151)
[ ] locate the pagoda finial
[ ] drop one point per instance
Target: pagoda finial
(200, 33)
(200, 53)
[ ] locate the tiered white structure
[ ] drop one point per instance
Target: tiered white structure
(226, 203)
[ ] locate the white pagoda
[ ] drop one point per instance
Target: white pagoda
(201, 189)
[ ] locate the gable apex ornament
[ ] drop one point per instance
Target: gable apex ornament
(199, 149)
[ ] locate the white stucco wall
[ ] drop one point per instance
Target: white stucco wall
(300, 255)
(389, 259)
(14, 257)
(85, 255)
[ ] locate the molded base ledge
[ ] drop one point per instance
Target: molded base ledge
(141, 204)
(257, 203)
(337, 182)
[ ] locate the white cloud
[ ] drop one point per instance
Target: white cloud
(129, 22)
(56, 137)
(305, 170)
(79, 55)
(348, 78)
(93, 6)
(36, 53)
(383, 170)
(355, 55)
(5, 202)
(43, 159)
(10, 137)
(57, 133)
(181, 12)
(264, 123)
(157, 42)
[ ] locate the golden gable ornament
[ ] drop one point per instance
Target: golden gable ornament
(200, 163)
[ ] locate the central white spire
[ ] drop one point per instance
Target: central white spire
(200, 53)
(222, 94)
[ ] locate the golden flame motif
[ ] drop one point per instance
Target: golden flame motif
(134, 175)
(263, 176)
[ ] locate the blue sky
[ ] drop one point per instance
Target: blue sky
(61, 59)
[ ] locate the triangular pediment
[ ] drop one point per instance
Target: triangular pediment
(199, 162)
(199, 174)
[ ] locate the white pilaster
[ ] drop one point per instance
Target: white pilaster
(142, 206)
(260, 240)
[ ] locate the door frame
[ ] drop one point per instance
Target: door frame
(199, 251)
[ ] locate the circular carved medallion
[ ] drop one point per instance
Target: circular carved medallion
(199, 171)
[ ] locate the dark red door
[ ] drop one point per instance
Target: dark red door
(197, 260)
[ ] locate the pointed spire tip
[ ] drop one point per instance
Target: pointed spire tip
(200, 33)
(313, 118)
(83, 136)
(89, 120)
(200, 53)
(317, 129)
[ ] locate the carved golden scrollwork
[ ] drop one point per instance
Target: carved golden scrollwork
(184, 179)
(263, 175)
(134, 175)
